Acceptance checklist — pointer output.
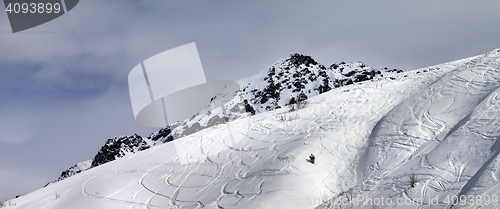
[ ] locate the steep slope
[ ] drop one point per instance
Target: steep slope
(445, 137)
(252, 162)
(438, 124)
(296, 76)
(262, 161)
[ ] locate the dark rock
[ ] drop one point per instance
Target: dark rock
(118, 147)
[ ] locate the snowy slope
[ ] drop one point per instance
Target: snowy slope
(264, 168)
(439, 123)
(295, 76)
(447, 136)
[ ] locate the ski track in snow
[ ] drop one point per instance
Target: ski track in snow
(263, 169)
(443, 126)
(446, 135)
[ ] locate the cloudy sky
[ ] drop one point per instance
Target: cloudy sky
(63, 84)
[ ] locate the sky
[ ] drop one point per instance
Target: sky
(63, 84)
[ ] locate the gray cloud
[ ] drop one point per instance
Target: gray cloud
(64, 84)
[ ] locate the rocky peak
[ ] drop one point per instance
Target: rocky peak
(300, 74)
(118, 147)
(297, 59)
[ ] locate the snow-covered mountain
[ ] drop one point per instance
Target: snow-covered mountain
(412, 140)
(295, 76)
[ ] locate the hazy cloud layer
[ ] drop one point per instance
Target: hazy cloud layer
(63, 85)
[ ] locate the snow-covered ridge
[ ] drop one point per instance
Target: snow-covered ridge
(295, 76)
(446, 137)
(368, 139)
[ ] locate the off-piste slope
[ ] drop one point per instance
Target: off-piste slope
(355, 132)
(297, 75)
(253, 162)
(446, 137)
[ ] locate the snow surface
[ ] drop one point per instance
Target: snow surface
(297, 76)
(441, 124)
